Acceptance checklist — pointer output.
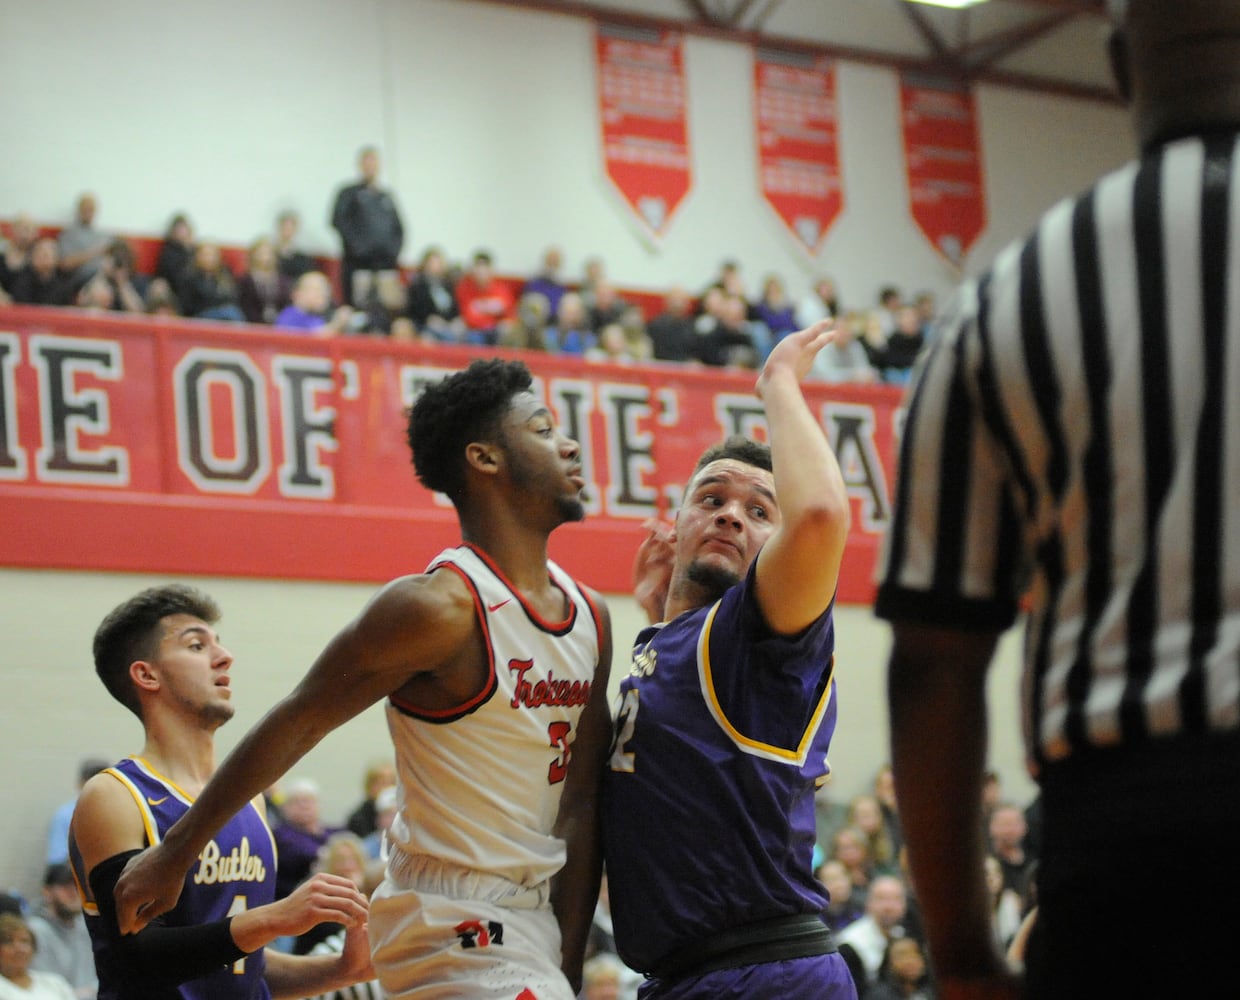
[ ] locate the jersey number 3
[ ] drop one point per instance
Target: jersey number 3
(557, 738)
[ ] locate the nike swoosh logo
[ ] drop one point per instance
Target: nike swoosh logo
(496, 607)
(156, 802)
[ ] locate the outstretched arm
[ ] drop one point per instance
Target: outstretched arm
(293, 976)
(366, 661)
(575, 888)
(798, 567)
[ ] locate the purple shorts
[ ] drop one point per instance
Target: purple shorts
(823, 977)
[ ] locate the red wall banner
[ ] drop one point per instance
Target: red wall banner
(943, 158)
(180, 447)
(645, 135)
(798, 151)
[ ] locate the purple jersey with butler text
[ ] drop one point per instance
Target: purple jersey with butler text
(234, 872)
(708, 806)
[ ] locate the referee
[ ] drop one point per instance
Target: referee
(1072, 448)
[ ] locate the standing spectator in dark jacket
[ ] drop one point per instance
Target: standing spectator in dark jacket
(371, 232)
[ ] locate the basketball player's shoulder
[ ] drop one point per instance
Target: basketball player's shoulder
(441, 599)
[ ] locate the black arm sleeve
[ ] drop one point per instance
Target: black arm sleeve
(159, 954)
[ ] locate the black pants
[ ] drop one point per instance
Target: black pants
(1139, 880)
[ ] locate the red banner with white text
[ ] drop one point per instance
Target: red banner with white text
(645, 133)
(179, 447)
(798, 143)
(943, 157)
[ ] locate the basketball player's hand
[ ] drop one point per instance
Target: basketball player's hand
(652, 569)
(149, 886)
(355, 958)
(322, 898)
(794, 354)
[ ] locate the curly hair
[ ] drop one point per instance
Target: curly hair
(465, 406)
(131, 632)
(738, 448)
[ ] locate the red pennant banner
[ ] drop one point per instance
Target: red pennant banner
(943, 158)
(798, 151)
(641, 86)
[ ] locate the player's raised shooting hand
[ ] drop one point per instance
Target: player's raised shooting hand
(794, 354)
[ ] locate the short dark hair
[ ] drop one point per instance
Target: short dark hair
(131, 632)
(465, 406)
(740, 449)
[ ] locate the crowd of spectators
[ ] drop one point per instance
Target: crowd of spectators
(722, 324)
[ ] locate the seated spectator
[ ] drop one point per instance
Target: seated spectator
(117, 286)
(885, 908)
(60, 929)
(486, 303)
(844, 360)
(605, 306)
(208, 289)
(730, 281)
(633, 323)
(846, 903)
(573, 334)
(291, 261)
(310, 310)
(775, 310)
(671, 332)
(176, 251)
(81, 245)
(901, 348)
(731, 341)
(531, 330)
(161, 300)
(379, 774)
(904, 973)
(851, 848)
(890, 302)
(385, 812)
(548, 282)
(431, 302)
(41, 282)
(18, 948)
(820, 302)
(611, 346)
(300, 835)
(15, 252)
(262, 291)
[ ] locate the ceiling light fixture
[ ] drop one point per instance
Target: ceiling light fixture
(954, 4)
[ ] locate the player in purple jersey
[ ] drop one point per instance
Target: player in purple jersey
(726, 716)
(158, 654)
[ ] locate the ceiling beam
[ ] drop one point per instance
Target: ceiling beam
(590, 12)
(938, 47)
(985, 52)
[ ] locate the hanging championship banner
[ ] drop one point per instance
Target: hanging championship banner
(641, 87)
(943, 158)
(798, 152)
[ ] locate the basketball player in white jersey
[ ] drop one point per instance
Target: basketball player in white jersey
(494, 665)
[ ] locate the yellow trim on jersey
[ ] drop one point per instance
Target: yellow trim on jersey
(148, 818)
(756, 747)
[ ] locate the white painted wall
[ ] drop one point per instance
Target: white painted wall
(487, 117)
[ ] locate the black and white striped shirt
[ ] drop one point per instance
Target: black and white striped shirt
(1074, 437)
(371, 990)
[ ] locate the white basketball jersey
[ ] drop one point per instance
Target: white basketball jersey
(480, 784)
